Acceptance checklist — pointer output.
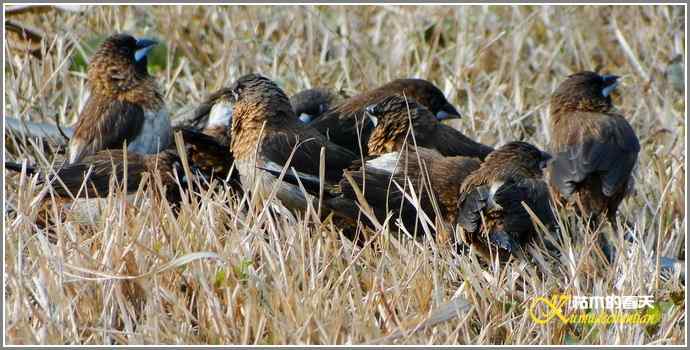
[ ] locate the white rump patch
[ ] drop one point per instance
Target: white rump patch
(221, 114)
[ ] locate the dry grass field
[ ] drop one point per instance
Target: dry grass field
(219, 273)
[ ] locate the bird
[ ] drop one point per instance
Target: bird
(490, 212)
(383, 182)
(125, 103)
(392, 117)
(78, 185)
(264, 133)
(595, 149)
(345, 123)
(207, 137)
(214, 114)
(309, 104)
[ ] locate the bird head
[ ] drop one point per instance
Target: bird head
(119, 62)
(520, 158)
(257, 97)
(428, 95)
(393, 108)
(585, 91)
(311, 103)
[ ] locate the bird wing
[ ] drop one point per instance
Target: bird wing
(470, 206)
(103, 165)
(343, 126)
(277, 146)
(206, 152)
(594, 143)
(104, 126)
(532, 192)
(451, 142)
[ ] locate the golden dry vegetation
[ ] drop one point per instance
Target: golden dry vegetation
(221, 274)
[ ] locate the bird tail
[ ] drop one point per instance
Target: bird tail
(13, 166)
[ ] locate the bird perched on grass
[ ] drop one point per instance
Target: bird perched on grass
(208, 135)
(383, 182)
(77, 185)
(595, 149)
(490, 206)
(346, 120)
(265, 131)
(310, 104)
(392, 118)
(125, 103)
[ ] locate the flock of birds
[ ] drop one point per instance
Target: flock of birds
(372, 147)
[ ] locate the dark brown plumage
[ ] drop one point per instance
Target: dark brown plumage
(345, 121)
(430, 173)
(103, 165)
(311, 103)
(490, 205)
(213, 119)
(125, 103)
(383, 180)
(207, 137)
(392, 118)
(264, 133)
(595, 149)
(91, 178)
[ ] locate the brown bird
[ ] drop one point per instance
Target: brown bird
(345, 121)
(392, 117)
(595, 149)
(77, 185)
(207, 137)
(265, 131)
(312, 103)
(383, 180)
(214, 115)
(490, 205)
(125, 102)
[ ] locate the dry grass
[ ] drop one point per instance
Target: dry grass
(247, 278)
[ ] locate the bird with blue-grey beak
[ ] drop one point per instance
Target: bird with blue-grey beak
(399, 120)
(125, 102)
(595, 149)
(347, 125)
(310, 104)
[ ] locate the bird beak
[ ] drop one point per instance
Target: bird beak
(143, 48)
(611, 82)
(305, 118)
(447, 112)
